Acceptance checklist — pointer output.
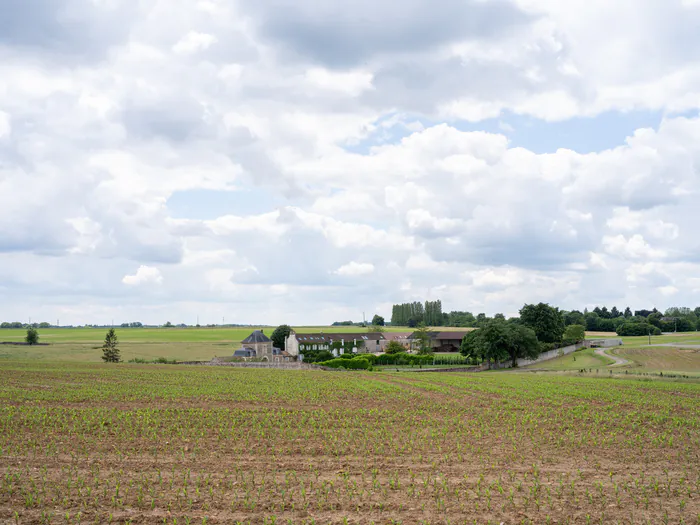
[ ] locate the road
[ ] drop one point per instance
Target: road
(618, 360)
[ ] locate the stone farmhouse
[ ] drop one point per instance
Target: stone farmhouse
(361, 343)
(258, 346)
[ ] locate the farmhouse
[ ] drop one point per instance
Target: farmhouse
(258, 346)
(362, 343)
(442, 341)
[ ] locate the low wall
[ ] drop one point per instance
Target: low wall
(604, 343)
(282, 366)
(544, 356)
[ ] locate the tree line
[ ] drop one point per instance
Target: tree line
(599, 319)
(415, 313)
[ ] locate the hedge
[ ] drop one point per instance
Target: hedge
(637, 329)
(356, 363)
(403, 358)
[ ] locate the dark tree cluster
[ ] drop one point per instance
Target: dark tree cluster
(412, 314)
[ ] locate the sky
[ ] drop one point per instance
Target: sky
(305, 161)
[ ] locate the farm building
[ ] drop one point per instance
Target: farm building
(362, 343)
(400, 337)
(442, 341)
(258, 346)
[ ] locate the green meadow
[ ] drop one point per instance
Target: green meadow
(190, 344)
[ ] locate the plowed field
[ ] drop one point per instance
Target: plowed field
(181, 445)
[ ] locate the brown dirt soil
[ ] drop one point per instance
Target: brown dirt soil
(438, 449)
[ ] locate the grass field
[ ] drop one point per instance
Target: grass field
(644, 360)
(189, 344)
(662, 359)
(83, 443)
(575, 361)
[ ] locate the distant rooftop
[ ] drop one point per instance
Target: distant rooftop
(256, 337)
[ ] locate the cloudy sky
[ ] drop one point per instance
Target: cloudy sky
(305, 161)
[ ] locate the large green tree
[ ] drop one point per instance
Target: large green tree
(499, 340)
(545, 320)
(523, 343)
(378, 320)
(575, 332)
(279, 336)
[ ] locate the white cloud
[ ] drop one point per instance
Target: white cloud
(144, 275)
(193, 42)
(353, 269)
(5, 125)
(298, 164)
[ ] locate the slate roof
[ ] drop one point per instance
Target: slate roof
(330, 338)
(256, 337)
(444, 336)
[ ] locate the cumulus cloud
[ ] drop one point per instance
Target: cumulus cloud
(353, 269)
(144, 275)
(346, 146)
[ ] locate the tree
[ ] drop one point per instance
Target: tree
(279, 336)
(110, 352)
(491, 342)
(575, 332)
(422, 340)
(375, 328)
(545, 320)
(523, 343)
(378, 320)
(32, 336)
(394, 347)
(614, 312)
(574, 317)
(637, 329)
(628, 312)
(168, 324)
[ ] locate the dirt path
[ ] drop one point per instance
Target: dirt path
(618, 360)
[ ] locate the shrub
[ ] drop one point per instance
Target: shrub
(394, 347)
(32, 337)
(370, 357)
(316, 356)
(403, 359)
(164, 361)
(627, 329)
(356, 363)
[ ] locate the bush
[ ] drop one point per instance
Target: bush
(164, 361)
(316, 356)
(370, 357)
(356, 363)
(32, 337)
(627, 329)
(403, 359)
(394, 347)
